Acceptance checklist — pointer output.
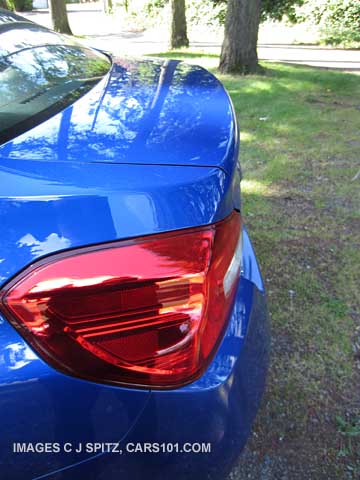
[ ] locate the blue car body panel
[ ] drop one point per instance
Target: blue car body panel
(152, 147)
(47, 207)
(39, 404)
(143, 112)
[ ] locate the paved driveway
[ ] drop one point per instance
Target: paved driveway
(102, 31)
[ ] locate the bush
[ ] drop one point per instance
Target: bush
(20, 5)
(338, 20)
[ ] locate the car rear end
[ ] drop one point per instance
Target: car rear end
(133, 315)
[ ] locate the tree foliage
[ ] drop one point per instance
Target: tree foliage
(338, 20)
(278, 9)
(18, 5)
(215, 10)
(270, 9)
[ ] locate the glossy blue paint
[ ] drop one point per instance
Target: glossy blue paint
(38, 404)
(153, 147)
(143, 112)
(218, 408)
(47, 207)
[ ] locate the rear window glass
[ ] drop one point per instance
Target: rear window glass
(36, 82)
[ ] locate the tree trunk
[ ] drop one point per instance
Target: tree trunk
(3, 4)
(179, 36)
(239, 49)
(59, 18)
(108, 6)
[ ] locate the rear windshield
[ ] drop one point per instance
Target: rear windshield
(38, 81)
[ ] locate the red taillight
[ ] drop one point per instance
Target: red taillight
(147, 312)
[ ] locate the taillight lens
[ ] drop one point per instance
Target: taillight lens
(148, 312)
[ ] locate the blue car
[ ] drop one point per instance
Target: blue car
(134, 336)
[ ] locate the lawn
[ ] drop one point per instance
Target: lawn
(300, 158)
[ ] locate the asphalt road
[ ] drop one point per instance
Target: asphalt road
(106, 32)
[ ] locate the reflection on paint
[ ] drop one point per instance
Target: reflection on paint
(160, 112)
(16, 355)
(52, 243)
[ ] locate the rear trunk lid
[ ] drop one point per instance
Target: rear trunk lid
(142, 112)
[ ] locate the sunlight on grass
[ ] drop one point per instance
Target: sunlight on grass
(254, 187)
(299, 153)
(246, 136)
(258, 86)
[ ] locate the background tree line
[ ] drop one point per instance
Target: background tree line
(338, 21)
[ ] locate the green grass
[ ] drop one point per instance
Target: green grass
(300, 151)
(349, 429)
